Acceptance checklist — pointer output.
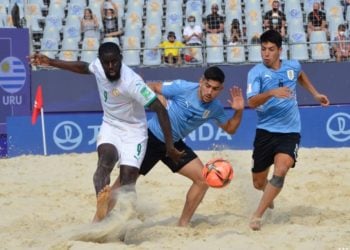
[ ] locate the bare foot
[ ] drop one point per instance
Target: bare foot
(255, 223)
(103, 198)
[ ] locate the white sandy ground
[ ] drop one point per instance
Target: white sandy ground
(48, 203)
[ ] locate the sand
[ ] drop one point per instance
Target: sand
(48, 203)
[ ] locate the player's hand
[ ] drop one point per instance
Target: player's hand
(175, 154)
(39, 59)
(237, 100)
(322, 99)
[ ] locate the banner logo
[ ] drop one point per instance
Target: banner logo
(67, 135)
(338, 127)
(12, 74)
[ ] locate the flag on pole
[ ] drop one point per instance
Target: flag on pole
(38, 104)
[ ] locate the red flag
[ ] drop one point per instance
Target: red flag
(38, 104)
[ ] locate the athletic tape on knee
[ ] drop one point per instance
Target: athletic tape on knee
(277, 181)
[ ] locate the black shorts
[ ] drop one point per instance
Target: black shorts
(268, 144)
(156, 151)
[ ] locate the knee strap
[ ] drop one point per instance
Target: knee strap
(277, 181)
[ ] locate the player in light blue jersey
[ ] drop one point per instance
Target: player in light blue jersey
(190, 104)
(271, 90)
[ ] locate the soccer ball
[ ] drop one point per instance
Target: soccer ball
(218, 173)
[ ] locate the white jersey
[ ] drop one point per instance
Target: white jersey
(123, 101)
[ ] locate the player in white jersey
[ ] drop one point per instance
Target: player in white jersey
(271, 91)
(123, 133)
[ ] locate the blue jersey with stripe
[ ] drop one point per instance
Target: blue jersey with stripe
(186, 111)
(279, 115)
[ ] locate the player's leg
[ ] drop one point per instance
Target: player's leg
(107, 158)
(282, 164)
(287, 147)
(195, 194)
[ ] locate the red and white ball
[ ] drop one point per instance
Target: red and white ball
(218, 173)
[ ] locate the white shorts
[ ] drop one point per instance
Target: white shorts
(131, 147)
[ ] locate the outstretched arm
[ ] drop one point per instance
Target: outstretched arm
(164, 122)
(306, 83)
(237, 104)
(74, 66)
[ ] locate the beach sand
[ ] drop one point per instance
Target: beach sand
(48, 203)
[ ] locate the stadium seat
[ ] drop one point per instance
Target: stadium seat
(308, 5)
(72, 32)
(56, 10)
(153, 34)
(254, 53)
(252, 5)
(6, 3)
(49, 47)
(299, 52)
(173, 5)
(235, 54)
(195, 8)
(75, 10)
(284, 54)
(89, 49)
(131, 50)
(51, 32)
(135, 6)
(319, 46)
(69, 50)
(151, 57)
(154, 11)
(215, 49)
(53, 21)
(292, 10)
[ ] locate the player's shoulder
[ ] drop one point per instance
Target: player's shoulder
(257, 68)
(295, 64)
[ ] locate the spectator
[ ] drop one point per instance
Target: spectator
(172, 49)
(345, 4)
(214, 23)
(235, 33)
(111, 26)
(341, 44)
(275, 19)
(316, 20)
(89, 24)
(193, 34)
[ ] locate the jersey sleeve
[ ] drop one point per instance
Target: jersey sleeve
(254, 83)
(141, 92)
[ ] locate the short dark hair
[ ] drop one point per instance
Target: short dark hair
(214, 73)
(272, 36)
(171, 34)
(341, 27)
(109, 47)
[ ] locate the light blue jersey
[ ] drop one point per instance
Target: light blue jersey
(186, 111)
(279, 115)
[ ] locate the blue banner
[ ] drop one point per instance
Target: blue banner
(14, 74)
(321, 127)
